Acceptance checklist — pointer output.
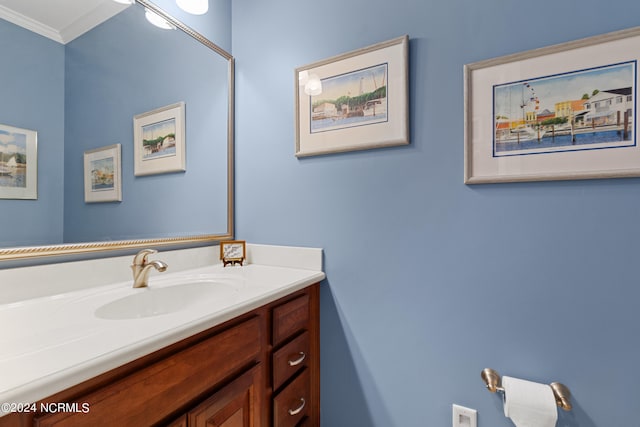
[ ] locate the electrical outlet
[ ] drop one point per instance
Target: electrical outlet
(464, 417)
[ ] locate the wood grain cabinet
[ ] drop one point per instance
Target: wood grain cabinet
(258, 370)
(295, 362)
(235, 405)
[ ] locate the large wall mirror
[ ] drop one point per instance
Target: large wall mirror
(81, 96)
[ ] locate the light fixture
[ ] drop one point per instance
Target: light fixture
(194, 7)
(303, 77)
(125, 1)
(313, 86)
(157, 20)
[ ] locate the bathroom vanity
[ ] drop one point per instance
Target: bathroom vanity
(246, 357)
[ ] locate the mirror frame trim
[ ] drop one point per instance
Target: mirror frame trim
(32, 252)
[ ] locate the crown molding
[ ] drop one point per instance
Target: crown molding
(79, 26)
(30, 24)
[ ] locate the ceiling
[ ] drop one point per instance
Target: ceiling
(59, 20)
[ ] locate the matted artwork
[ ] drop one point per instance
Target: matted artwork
(562, 112)
(18, 163)
(159, 140)
(103, 174)
(354, 101)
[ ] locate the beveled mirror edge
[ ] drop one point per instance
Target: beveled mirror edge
(67, 249)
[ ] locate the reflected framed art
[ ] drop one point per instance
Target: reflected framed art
(103, 174)
(18, 163)
(159, 140)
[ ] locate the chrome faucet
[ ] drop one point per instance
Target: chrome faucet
(141, 267)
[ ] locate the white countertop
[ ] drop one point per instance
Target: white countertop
(53, 342)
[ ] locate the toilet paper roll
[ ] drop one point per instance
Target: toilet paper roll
(529, 404)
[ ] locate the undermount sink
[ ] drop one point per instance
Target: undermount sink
(156, 301)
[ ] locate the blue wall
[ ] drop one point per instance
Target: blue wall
(536, 280)
(126, 67)
(32, 97)
(214, 25)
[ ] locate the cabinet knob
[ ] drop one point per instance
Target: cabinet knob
(298, 360)
(299, 409)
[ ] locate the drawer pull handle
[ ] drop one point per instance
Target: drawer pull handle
(298, 360)
(299, 409)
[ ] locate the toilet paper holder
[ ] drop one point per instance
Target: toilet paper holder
(561, 392)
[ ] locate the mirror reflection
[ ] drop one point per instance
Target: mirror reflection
(84, 95)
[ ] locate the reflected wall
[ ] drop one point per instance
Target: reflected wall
(83, 95)
(32, 76)
(126, 67)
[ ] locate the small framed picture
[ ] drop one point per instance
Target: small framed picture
(233, 252)
(102, 174)
(159, 140)
(18, 163)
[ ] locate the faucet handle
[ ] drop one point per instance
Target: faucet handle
(141, 257)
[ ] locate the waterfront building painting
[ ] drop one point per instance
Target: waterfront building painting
(357, 98)
(102, 174)
(579, 110)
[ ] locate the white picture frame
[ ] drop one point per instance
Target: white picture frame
(159, 140)
(103, 174)
(331, 118)
(18, 163)
(591, 83)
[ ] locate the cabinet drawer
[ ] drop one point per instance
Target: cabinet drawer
(290, 318)
(151, 394)
(290, 359)
(292, 404)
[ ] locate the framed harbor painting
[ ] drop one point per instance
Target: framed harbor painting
(103, 174)
(354, 101)
(561, 112)
(159, 140)
(18, 163)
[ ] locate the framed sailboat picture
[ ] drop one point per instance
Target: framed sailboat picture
(354, 101)
(561, 112)
(18, 163)
(159, 140)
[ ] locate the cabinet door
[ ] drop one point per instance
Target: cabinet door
(150, 395)
(180, 422)
(235, 405)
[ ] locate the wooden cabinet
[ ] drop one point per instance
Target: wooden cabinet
(295, 361)
(151, 394)
(235, 405)
(260, 369)
(290, 404)
(291, 358)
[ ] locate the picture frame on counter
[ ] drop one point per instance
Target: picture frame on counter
(567, 111)
(233, 252)
(159, 140)
(18, 163)
(355, 101)
(103, 174)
